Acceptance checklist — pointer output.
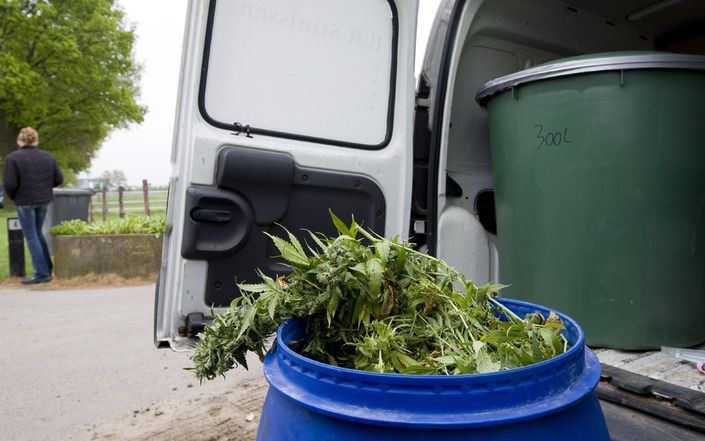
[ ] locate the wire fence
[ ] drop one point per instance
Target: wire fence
(106, 204)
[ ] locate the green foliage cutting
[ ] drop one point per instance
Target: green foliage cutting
(378, 305)
(128, 225)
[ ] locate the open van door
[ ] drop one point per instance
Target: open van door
(287, 109)
(452, 199)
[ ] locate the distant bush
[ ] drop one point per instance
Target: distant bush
(128, 225)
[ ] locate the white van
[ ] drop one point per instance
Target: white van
(289, 108)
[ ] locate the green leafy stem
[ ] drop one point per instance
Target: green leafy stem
(379, 305)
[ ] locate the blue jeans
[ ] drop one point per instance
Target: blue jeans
(31, 219)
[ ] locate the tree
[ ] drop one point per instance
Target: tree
(66, 69)
(113, 178)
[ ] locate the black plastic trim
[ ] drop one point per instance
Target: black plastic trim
(206, 239)
(485, 209)
(297, 136)
(159, 344)
(422, 143)
(689, 32)
(300, 198)
(264, 178)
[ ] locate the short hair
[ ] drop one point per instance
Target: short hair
(28, 136)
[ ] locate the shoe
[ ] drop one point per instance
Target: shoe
(34, 279)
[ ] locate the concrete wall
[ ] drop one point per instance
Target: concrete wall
(127, 255)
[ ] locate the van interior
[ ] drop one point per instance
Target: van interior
(496, 38)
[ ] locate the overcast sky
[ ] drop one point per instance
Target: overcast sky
(142, 151)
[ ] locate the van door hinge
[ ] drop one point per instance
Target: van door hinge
(420, 227)
(423, 93)
(195, 323)
(422, 102)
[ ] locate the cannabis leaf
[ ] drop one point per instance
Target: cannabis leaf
(376, 304)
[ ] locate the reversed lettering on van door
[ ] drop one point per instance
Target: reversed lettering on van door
(317, 69)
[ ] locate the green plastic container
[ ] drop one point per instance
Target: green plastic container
(599, 166)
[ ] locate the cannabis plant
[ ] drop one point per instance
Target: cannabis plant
(379, 305)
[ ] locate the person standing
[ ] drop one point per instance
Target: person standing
(30, 174)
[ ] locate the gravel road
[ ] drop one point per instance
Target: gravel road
(80, 365)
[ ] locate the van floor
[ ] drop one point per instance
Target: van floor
(626, 424)
(655, 365)
(648, 396)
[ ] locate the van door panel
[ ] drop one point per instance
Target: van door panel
(278, 194)
(287, 109)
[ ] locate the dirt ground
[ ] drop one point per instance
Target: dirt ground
(79, 363)
(88, 281)
(225, 416)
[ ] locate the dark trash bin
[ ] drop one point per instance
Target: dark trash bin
(69, 203)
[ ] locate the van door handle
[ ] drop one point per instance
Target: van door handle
(215, 216)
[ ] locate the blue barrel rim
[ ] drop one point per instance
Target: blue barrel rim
(402, 400)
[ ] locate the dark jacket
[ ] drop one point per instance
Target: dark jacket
(30, 175)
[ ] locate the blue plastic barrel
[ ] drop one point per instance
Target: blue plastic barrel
(551, 400)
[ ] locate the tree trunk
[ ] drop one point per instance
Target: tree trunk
(8, 143)
(8, 138)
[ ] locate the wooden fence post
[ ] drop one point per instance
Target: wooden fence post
(145, 190)
(105, 202)
(121, 202)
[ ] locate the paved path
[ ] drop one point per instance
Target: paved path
(71, 360)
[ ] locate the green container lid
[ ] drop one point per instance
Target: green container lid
(609, 61)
